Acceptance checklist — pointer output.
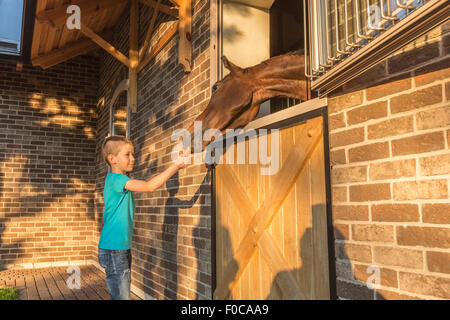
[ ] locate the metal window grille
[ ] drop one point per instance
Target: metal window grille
(336, 29)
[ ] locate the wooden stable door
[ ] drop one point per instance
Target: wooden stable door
(271, 230)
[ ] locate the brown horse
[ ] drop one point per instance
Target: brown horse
(236, 99)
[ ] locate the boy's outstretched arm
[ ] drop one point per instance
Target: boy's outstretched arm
(157, 181)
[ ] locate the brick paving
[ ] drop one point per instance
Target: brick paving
(50, 284)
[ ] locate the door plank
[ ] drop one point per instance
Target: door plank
(279, 261)
(273, 257)
(304, 227)
(285, 178)
(290, 235)
(319, 223)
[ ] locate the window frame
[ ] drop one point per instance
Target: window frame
(415, 24)
(28, 20)
(123, 86)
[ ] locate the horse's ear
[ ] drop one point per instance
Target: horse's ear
(230, 66)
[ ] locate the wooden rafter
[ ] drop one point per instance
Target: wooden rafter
(58, 16)
(172, 11)
(176, 2)
(104, 44)
(134, 55)
(185, 44)
(137, 59)
(148, 36)
(160, 45)
(294, 163)
(37, 30)
(67, 52)
(183, 11)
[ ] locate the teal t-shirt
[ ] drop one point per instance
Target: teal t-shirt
(119, 212)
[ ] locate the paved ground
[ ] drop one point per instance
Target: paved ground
(50, 284)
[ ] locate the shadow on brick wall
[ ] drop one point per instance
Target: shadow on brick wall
(168, 99)
(202, 241)
(169, 255)
(165, 106)
(51, 175)
(349, 284)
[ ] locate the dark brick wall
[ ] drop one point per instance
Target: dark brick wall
(171, 242)
(47, 151)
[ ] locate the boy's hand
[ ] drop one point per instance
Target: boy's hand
(184, 158)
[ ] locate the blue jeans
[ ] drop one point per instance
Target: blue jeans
(117, 264)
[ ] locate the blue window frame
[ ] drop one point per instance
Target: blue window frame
(11, 26)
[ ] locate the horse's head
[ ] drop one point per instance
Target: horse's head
(235, 99)
(230, 96)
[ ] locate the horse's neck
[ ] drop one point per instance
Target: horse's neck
(280, 67)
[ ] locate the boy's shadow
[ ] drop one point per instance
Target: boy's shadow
(170, 254)
(306, 277)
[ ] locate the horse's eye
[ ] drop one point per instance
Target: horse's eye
(214, 87)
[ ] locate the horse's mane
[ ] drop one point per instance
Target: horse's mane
(298, 52)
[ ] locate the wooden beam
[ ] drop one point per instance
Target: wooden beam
(160, 45)
(37, 31)
(58, 16)
(277, 263)
(284, 180)
(104, 44)
(144, 48)
(287, 116)
(185, 43)
(172, 11)
(67, 52)
(134, 55)
(176, 2)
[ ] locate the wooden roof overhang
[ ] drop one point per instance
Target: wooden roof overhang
(53, 42)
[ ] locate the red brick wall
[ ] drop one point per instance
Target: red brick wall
(47, 147)
(389, 148)
(171, 242)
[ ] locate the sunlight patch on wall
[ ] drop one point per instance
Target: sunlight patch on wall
(88, 131)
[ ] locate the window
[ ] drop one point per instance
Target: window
(11, 26)
(347, 37)
(256, 30)
(285, 16)
(119, 114)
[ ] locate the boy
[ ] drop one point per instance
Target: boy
(114, 248)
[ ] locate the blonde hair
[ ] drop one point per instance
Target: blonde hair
(111, 146)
